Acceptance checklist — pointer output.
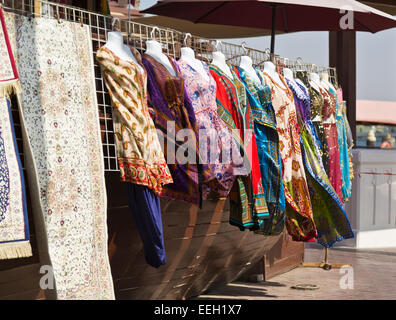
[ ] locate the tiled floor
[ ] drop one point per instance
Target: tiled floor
(372, 276)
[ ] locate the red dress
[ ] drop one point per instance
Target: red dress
(247, 200)
(330, 130)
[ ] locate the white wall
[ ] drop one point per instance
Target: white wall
(372, 207)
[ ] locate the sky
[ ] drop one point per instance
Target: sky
(376, 56)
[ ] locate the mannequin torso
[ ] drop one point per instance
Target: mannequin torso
(188, 55)
(299, 81)
(288, 74)
(153, 49)
(115, 43)
(219, 61)
(314, 81)
(246, 65)
(301, 84)
(327, 85)
(269, 68)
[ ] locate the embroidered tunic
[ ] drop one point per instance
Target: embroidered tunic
(170, 106)
(333, 163)
(317, 102)
(249, 139)
(267, 140)
(328, 212)
(212, 131)
(228, 108)
(139, 152)
(299, 220)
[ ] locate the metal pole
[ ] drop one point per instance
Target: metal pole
(273, 28)
(129, 20)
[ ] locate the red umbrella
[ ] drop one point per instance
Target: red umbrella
(282, 15)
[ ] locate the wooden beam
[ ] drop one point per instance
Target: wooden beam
(391, 3)
(342, 56)
(388, 6)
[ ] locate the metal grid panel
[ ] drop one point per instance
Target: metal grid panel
(136, 35)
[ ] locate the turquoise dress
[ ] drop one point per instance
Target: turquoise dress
(259, 98)
(343, 147)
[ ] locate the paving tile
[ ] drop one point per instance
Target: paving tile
(374, 277)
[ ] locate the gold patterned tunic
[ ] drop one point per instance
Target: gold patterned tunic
(299, 217)
(139, 153)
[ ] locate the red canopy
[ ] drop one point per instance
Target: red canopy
(292, 15)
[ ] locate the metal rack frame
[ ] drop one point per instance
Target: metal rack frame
(136, 35)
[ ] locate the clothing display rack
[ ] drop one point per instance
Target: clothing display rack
(136, 35)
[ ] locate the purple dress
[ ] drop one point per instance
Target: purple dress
(215, 139)
(172, 111)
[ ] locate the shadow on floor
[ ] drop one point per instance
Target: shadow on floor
(240, 290)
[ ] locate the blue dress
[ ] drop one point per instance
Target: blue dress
(259, 97)
(343, 146)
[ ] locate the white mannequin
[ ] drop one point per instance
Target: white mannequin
(115, 43)
(299, 81)
(154, 49)
(327, 85)
(269, 68)
(188, 55)
(247, 66)
(314, 81)
(220, 62)
(288, 73)
(325, 81)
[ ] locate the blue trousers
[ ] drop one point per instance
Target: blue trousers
(146, 211)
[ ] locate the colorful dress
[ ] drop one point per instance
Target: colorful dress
(299, 219)
(317, 103)
(228, 108)
(141, 160)
(330, 128)
(215, 139)
(260, 208)
(349, 141)
(267, 139)
(139, 152)
(344, 148)
(172, 111)
(328, 212)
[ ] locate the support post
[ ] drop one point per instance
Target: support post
(342, 56)
(273, 28)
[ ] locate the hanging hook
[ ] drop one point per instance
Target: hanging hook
(81, 20)
(299, 64)
(57, 17)
(217, 44)
(113, 21)
(153, 32)
(243, 45)
(188, 34)
(267, 54)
